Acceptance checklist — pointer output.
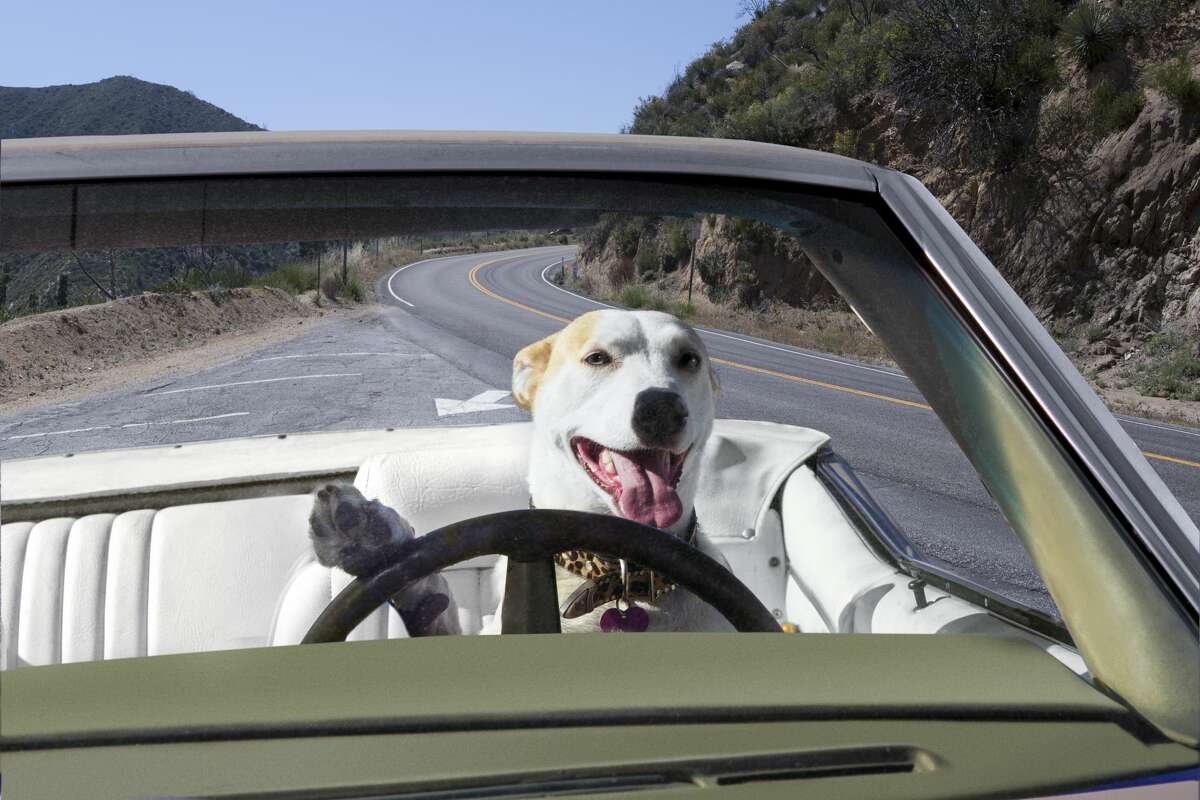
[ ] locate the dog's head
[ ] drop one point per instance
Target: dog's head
(622, 404)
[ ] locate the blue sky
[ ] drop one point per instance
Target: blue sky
(529, 65)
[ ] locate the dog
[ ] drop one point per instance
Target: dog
(623, 404)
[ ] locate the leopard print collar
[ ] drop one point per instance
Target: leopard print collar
(603, 581)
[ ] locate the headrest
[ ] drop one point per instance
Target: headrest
(481, 470)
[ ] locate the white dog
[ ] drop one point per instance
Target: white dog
(622, 405)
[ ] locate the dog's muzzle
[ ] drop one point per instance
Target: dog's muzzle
(659, 416)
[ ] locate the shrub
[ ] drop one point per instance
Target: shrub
(332, 286)
(633, 296)
(1171, 369)
(847, 143)
(1094, 333)
(656, 302)
(683, 310)
(1092, 33)
(978, 66)
(1113, 110)
(647, 260)
(626, 236)
(1174, 79)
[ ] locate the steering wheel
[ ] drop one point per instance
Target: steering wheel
(530, 539)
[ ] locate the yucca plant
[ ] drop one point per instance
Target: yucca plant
(1092, 32)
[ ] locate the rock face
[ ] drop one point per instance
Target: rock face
(1106, 235)
(750, 262)
(1111, 238)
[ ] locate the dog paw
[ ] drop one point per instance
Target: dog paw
(353, 533)
(358, 535)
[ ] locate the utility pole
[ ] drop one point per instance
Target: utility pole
(691, 272)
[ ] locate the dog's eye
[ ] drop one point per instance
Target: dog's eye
(597, 358)
(689, 360)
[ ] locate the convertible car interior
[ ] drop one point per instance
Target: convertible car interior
(199, 576)
(165, 627)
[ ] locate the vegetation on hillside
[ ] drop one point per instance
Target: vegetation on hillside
(1012, 111)
(807, 73)
(116, 105)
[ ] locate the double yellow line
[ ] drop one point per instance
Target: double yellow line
(473, 277)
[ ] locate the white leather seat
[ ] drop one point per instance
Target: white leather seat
(241, 573)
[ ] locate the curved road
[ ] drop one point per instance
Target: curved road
(478, 310)
(438, 351)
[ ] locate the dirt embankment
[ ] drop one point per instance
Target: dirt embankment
(48, 353)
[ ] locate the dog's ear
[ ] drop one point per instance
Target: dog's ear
(528, 368)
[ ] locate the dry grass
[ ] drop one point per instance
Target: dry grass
(825, 330)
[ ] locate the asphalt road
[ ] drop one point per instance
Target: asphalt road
(439, 352)
(475, 308)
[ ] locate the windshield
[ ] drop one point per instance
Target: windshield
(405, 314)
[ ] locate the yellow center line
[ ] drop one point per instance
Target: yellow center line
(473, 277)
(1172, 459)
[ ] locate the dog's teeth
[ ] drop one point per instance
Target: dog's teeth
(606, 461)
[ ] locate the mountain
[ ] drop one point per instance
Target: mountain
(114, 105)
(1062, 135)
(121, 105)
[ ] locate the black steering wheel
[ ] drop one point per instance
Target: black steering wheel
(530, 539)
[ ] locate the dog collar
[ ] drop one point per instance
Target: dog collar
(604, 581)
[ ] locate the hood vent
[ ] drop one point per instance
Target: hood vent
(633, 777)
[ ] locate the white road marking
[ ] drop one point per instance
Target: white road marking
(130, 425)
(484, 401)
(186, 421)
(58, 433)
(260, 380)
(1169, 429)
(340, 355)
(710, 332)
(392, 277)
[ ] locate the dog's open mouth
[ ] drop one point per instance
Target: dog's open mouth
(641, 482)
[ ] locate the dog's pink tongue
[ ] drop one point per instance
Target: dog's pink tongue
(647, 495)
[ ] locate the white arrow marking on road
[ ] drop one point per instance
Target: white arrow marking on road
(484, 401)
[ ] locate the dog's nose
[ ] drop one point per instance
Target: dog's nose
(658, 416)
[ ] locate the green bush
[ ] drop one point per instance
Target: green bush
(1113, 110)
(683, 310)
(847, 143)
(634, 296)
(293, 278)
(1174, 79)
(1095, 333)
(647, 260)
(1092, 32)
(1171, 369)
(626, 235)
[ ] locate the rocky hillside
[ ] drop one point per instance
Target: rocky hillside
(116, 105)
(1064, 137)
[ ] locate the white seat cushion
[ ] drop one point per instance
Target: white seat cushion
(211, 576)
(241, 573)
